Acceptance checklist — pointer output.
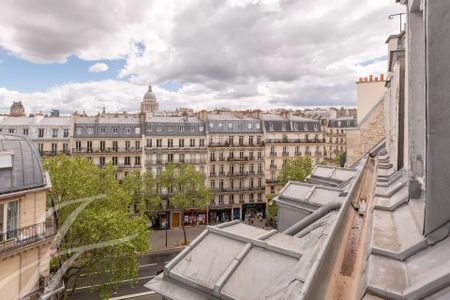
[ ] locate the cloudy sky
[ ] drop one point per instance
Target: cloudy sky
(82, 54)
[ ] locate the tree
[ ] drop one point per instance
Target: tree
(295, 169)
(102, 239)
(142, 188)
(338, 157)
(186, 189)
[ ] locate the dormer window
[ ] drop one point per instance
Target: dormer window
(115, 130)
(181, 128)
(103, 130)
(230, 125)
(249, 125)
(170, 128)
(271, 126)
(283, 126)
(90, 130)
(305, 127)
(127, 130)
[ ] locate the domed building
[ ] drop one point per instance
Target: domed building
(17, 109)
(149, 104)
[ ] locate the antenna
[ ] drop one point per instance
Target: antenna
(391, 17)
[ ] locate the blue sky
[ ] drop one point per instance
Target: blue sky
(27, 77)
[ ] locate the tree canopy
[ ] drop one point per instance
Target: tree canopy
(105, 226)
(295, 169)
(186, 188)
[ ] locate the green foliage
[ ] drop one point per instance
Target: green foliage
(295, 169)
(338, 157)
(187, 188)
(142, 189)
(103, 220)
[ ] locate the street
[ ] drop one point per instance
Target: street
(149, 265)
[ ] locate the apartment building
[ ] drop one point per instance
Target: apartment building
(25, 232)
(50, 135)
(110, 138)
(336, 135)
(235, 169)
(175, 139)
(286, 137)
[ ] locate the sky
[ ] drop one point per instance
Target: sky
(76, 55)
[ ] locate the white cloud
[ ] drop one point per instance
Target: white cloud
(223, 53)
(98, 67)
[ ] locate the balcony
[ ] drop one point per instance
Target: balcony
(285, 153)
(298, 154)
(271, 181)
(227, 144)
(295, 141)
(106, 150)
(273, 167)
(53, 153)
(17, 238)
(318, 153)
(237, 189)
(273, 154)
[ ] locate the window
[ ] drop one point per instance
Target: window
(240, 126)
(89, 146)
(78, 146)
(115, 130)
(149, 143)
(25, 131)
(41, 147)
(181, 143)
(200, 128)
(249, 125)
(102, 161)
(11, 130)
(213, 184)
(170, 128)
(170, 157)
(258, 126)
(158, 143)
(192, 128)
(283, 126)
(250, 140)
(192, 142)
(181, 128)
(114, 160)
(137, 130)
(102, 146)
(258, 140)
(211, 125)
(202, 142)
(102, 130)
(295, 126)
(220, 126)
(9, 214)
(271, 126)
(127, 145)
(241, 198)
(137, 145)
(127, 161)
(230, 125)
(65, 148)
(137, 160)
(170, 143)
(54, 148)
(127, 130)
(90, 130)
(241, 141)
(115, 146)
(230, 140)
(79, 130)
(66, 132)
(41, 132)
(182, 157)
(149, 127)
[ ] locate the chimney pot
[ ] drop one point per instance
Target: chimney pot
(376, 78)
(360, 79)
(365, 79)
(371, 78)
(382, 77)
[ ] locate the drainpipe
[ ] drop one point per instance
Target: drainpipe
(319, 213)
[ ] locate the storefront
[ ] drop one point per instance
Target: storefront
(218, 215)
(193, 217)
(236, 213)
(253, 210)
(161, 220)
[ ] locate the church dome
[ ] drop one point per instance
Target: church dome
(149, 96)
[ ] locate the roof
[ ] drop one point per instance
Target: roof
(20, 165)
(343, 122)
(238, 261)
(119, 119)
(330, 175)
(36, 121)
(307, 196)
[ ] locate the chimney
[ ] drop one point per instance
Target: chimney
(376, 78)
(371, 78)
(382, 77)
(365, 79)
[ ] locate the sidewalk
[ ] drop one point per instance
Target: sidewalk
(175, 236)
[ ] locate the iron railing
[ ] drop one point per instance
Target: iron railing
(16, 238)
